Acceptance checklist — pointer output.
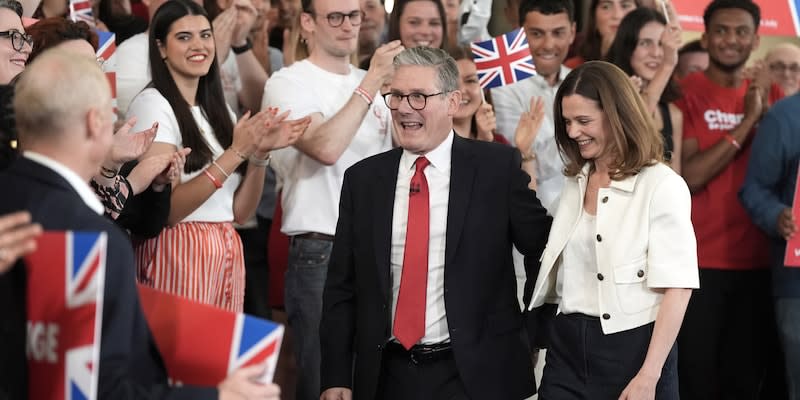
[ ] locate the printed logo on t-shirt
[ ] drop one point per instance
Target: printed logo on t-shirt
(720, 120)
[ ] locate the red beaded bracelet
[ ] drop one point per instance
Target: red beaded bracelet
(215, 181)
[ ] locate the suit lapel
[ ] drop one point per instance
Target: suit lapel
(382, 194)
(462, 177)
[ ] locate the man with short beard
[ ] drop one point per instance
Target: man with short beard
(728, 325)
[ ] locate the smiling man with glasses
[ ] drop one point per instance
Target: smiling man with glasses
(15, 45)
(420, 300)
(784, 66)
(348, 123)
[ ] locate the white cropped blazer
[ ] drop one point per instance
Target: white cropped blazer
(645, 241)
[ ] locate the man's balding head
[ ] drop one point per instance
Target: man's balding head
(63, 108)
(784, 64)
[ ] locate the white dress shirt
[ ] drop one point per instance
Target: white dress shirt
(438, 176)
(82, 187)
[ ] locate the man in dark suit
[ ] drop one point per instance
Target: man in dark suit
(64, 118)
(420, 300)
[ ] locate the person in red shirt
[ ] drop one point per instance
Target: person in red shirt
(726, 332)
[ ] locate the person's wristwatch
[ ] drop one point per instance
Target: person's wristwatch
(241, 49)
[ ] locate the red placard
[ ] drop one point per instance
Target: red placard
(228, 340)
(792, 256)
(778, 17)
(65, 306)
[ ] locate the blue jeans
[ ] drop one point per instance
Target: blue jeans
(305, 281)
(787, 317)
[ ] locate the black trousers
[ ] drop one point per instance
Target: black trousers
(403, 378)
(727, 336)
(254, 244)
(583, 363)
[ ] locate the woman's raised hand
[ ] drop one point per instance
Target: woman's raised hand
(529, 124)
(485, 122)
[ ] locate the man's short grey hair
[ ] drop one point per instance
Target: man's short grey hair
(12, 5)
(447, 70)
(55, 92)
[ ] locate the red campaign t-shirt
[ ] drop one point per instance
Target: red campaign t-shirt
(726, 237)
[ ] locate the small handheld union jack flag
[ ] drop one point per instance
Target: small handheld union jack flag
(81, 10)
(106, 51)
(503, 60)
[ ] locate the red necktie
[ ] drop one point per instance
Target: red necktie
(409, 318)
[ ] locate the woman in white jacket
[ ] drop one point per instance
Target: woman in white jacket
(621, 258)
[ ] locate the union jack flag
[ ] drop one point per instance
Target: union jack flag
(106, 51)
(65, 308)
(229, 341)
(503, 60)
(81, 10)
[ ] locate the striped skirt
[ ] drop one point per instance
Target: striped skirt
(202, 261)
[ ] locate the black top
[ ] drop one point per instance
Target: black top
(666, 130)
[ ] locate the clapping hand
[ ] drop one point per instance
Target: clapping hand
(158, 170)
(281, 133)
(129, 146)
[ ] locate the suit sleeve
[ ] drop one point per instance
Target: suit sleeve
(337, 328)
(530, 227)
(129, 369)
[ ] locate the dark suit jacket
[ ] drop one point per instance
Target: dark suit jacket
(130, 365)
(490, 207)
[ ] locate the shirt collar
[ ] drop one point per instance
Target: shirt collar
(439, 157)
(77, 183)
(562, 74)
(626, 184)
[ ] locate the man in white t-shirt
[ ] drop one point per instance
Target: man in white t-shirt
(349, 123)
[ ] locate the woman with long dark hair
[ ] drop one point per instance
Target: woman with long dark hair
(600, 30)
(646, 47)
(199, 255)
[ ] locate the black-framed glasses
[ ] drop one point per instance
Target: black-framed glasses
(336, 19)
(417, 101)
(18, 39)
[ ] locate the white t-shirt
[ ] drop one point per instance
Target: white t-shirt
(310, 195)
(150, 106)
(133, 72)
(133, 69)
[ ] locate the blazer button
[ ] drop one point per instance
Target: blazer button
(599, 277)
(640, 273)
(606, 316)
(605, 199)
(599, 238)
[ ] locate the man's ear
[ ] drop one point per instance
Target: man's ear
(307, 22)
(94, 124)
(453, 102)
